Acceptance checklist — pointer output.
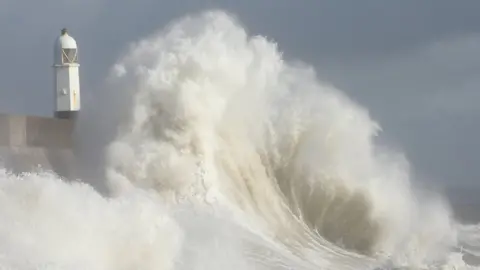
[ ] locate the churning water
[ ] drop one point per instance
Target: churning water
(227, 156)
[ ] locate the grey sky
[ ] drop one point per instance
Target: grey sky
(414, 64)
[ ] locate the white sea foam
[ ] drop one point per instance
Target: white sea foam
(225, 156)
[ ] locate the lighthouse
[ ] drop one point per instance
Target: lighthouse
(67, 81)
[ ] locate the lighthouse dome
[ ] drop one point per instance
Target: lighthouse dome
(66, 51)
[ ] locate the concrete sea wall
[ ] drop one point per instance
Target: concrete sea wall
(30, 142)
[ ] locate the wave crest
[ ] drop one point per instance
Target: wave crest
(220, 117)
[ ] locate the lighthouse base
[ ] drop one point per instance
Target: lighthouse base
(72, 115)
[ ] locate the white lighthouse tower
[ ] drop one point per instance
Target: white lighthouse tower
(67, 81)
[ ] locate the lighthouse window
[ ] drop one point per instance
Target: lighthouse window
(69, 56)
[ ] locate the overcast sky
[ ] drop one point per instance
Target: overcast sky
(414, 64)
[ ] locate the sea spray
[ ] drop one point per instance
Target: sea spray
(46, 222)
(271, 140)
